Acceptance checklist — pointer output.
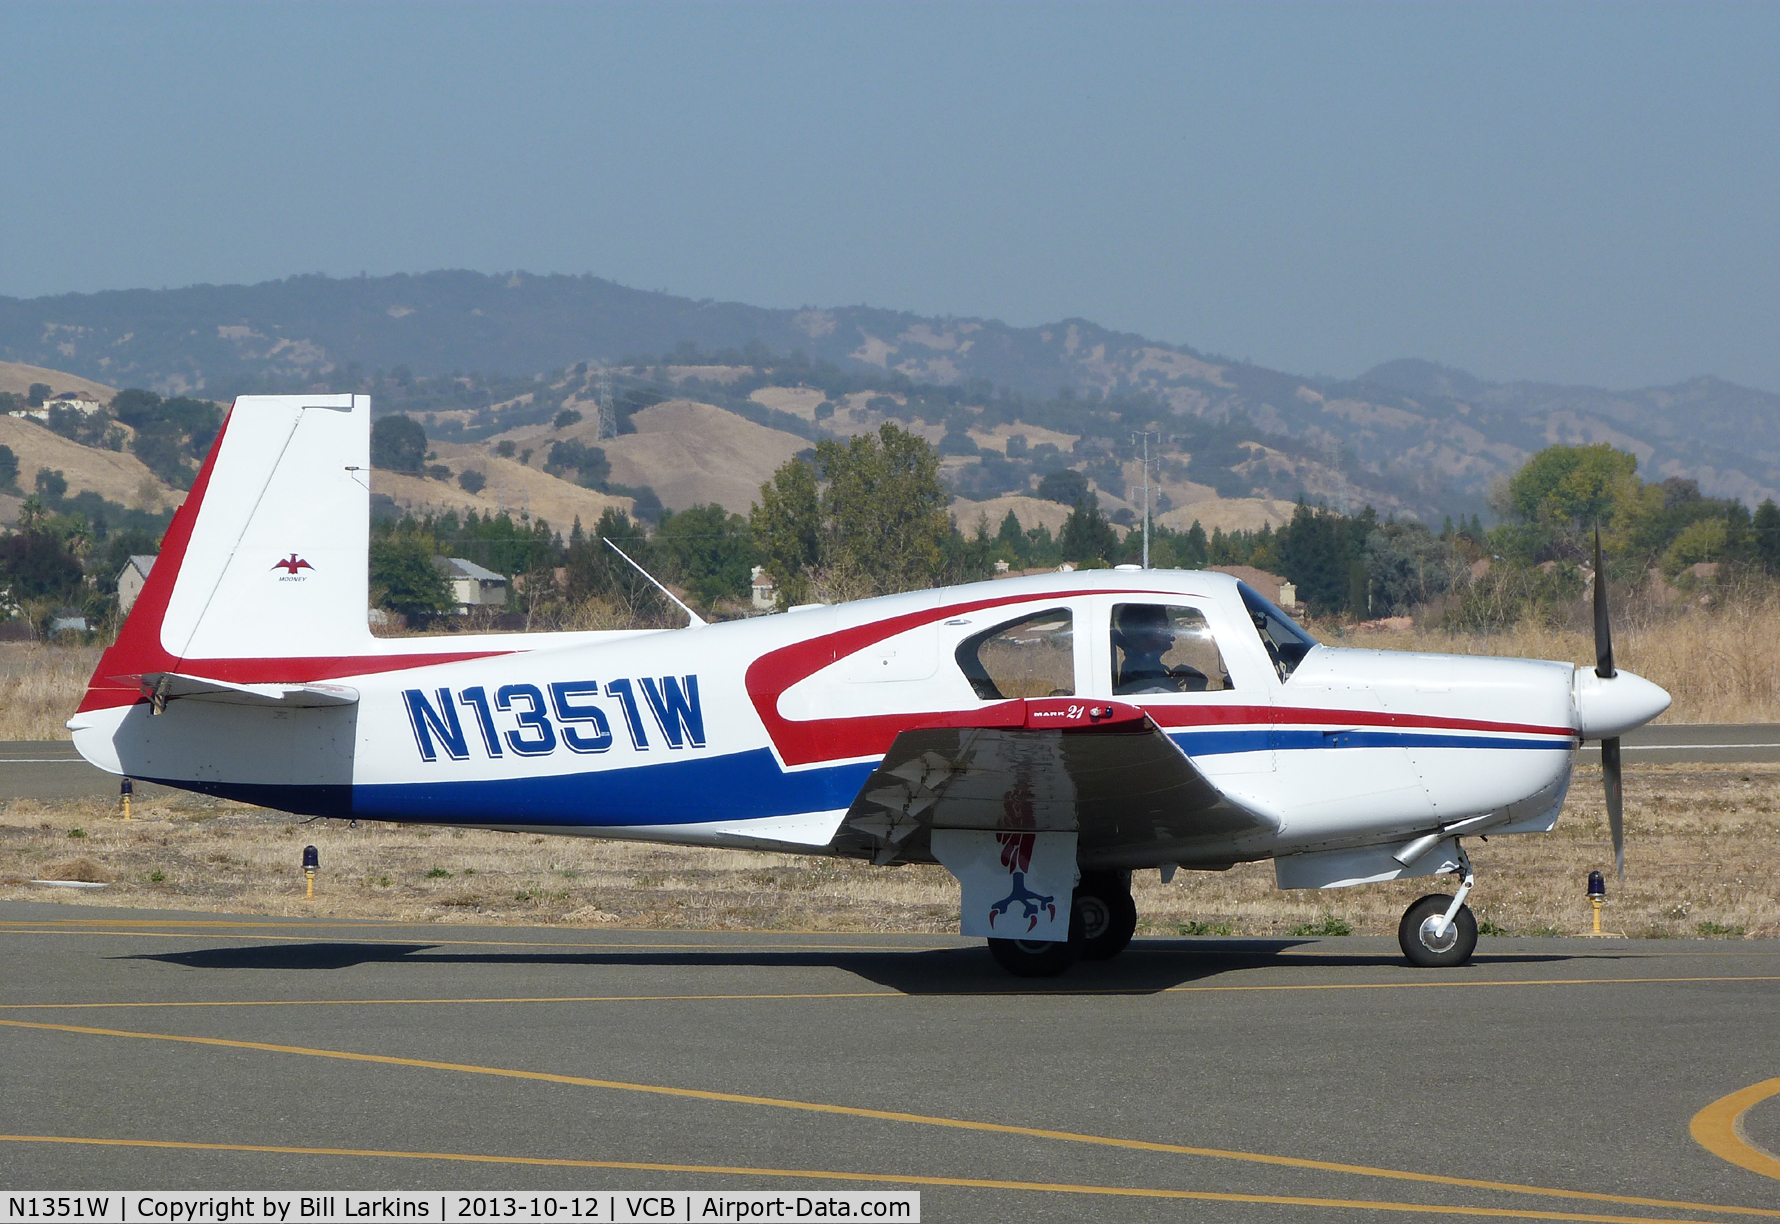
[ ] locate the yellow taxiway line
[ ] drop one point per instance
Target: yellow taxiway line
(1719, 1129)
(999, 1128)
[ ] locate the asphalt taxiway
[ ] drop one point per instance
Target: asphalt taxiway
(1201, 1079)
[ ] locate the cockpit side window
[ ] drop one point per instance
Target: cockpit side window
(1030, 657)
(1158, 649)
(1286, 643)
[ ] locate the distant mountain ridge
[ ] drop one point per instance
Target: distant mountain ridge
(1434, 437)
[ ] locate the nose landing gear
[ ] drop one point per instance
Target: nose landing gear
(1439, 931)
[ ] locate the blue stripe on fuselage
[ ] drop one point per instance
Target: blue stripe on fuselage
(736, 786)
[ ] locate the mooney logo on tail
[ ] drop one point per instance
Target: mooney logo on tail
(292, 564)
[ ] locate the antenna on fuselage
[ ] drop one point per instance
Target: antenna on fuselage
(697, 620)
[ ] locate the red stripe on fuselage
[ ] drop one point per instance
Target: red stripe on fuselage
(812, 741)
(836, 739)
(1212, 715)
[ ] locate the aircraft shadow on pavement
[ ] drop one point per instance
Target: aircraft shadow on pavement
(1146, 967)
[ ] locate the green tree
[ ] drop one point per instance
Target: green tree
(9, 468)
(471, 481)
(1765, 527)
(398, 444)
(1405, 565)
(788, 529)
(1573, 485)
(707, 550)
(405, 579)
(878, 516)
(1195, 549)
(885, 507)
(1086, 535)
(52, 486)
(37, 394)
(1067, 486)
(1011, 541)
(1322, 552)
(1563, 493)
(37, 562)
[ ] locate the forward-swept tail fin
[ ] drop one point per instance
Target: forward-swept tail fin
(262, 575)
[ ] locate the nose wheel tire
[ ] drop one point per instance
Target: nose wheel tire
(1107, 913)
(1033, 958)
(1431, 949)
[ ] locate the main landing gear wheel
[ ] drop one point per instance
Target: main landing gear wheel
(1035, 958)
(1423, 946)
(1107, 913)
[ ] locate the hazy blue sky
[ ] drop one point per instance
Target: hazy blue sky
(1576, 192)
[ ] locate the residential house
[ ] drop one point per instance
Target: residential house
(130, 582)
(473, 586)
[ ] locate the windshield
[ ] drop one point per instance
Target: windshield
(1286, 643)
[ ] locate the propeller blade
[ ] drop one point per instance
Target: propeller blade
(1603, 628)
(1610, 774)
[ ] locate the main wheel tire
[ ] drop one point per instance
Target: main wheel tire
(1035, 958)
(1415, 934)
(1107, 913)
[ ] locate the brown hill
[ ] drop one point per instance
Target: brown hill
(17, 377)
(114, 475)
(689, 453)
(511, 487)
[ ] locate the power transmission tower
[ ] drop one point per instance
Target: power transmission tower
(1145, 437)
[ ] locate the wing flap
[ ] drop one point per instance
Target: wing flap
(1103, 770)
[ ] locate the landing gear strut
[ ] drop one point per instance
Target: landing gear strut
(1439, 931)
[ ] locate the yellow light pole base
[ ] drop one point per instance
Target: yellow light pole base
(309, 895)
(1598, 933)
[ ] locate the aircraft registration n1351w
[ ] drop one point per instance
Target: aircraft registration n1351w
(1040, 737)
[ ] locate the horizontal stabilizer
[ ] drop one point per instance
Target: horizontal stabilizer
(162, 687)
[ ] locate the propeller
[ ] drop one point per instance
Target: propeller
(1610, 771)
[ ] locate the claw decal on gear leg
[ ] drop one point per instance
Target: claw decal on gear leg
(1033, 902)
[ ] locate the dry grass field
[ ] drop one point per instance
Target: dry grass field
(1699, 864)
(1719, 662)
(39, 687)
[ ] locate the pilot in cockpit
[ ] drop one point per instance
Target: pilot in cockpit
(1142, 634)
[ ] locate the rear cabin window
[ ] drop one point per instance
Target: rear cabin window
(1163, 649)
(1030, 657)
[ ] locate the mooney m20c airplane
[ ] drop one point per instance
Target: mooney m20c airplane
(1042, 738)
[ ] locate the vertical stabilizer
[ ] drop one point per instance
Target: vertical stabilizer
(263, 570)
(277, 559)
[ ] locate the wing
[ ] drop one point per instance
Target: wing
(1103, 770)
